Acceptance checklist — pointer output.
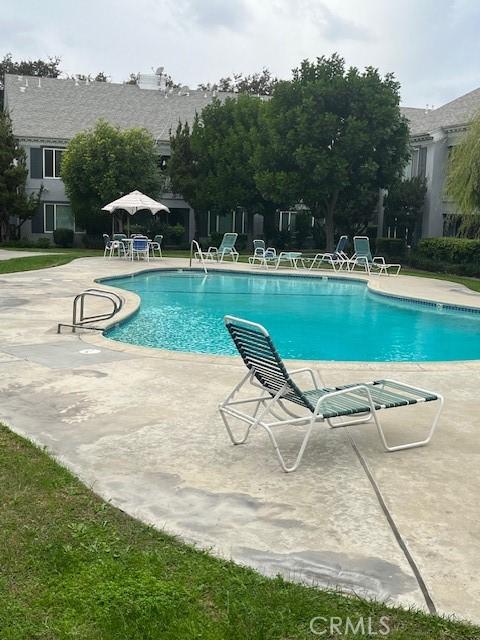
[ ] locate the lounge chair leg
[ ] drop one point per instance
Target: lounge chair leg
(230, 432)
(300, 453)
(409, 445)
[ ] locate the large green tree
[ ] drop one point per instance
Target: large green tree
(212, 165)
(463, 179)
(14, 201)
(335, 136)
(104, 163)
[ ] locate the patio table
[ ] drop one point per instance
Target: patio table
(292, 257)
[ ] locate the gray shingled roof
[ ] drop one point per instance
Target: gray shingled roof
(56, 108)
(457, 112)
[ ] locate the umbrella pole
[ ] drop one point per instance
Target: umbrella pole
(113, 224)
(128, 226)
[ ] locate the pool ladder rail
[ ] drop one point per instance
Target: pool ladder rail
(196, 251)
(81, 320)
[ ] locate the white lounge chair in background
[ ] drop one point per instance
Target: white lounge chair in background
(363, 258)
(261, 254)
(225, 250)
(337, 260)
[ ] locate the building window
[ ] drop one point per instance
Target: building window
(52, 160)
(418, 163)
(57, 216)
(286, 221)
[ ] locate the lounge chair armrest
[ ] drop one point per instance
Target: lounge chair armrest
(212, 250)
(379, 259)
(311, 372)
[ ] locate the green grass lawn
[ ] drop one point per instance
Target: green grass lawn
(73, 566)
(57, 257)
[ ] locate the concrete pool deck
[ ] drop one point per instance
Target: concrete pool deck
(141, 427)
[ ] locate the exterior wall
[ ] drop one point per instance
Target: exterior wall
(53, 188)
(437, 204)
(54, 192)
(437, 158)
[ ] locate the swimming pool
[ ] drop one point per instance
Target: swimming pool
(308, 318)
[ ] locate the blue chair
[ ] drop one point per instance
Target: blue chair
(140, 249)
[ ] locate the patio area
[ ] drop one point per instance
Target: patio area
(141, 427)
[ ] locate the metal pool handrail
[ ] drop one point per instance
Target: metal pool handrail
(79, 319)
(195, 248)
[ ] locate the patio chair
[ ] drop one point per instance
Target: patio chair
(279, 393)
(226, 249)
(261, 254)
(363, 258)
(338, 259)
(140, 249)
(156, 245)
(112, 246)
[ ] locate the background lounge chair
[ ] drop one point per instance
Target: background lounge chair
(338, 259)
(363, 258)
(225, 250)
(266, 372)
(261, 254)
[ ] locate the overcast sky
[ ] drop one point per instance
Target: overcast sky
(432, 46)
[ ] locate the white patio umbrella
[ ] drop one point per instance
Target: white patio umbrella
(133, 202)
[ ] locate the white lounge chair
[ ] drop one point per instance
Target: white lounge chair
(278, 392)
(225, 250)
(363, 258)
(261, 254)
(337, 260)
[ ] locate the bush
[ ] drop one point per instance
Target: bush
(426, 264)
(63, 238)
(20, 243)
(90, 241)
(43, 243)
(391, 248)
(456, 251)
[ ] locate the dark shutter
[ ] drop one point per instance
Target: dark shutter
(37, 220)
(36, 162)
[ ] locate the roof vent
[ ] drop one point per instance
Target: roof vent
(22, 89)
(153, 81)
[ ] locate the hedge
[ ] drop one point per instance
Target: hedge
(63, 237)
(391, 248)
(455, 251)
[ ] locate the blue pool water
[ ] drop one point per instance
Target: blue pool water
(308, 318)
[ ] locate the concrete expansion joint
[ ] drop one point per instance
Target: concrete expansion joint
(393, 526)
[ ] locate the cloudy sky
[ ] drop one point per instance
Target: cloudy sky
(432, 46)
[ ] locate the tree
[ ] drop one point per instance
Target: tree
(404, 206)
(212, 165)
(335, 136)
(14, 201)
(42, 68)
(258, 84)
(463, 179)
(104, 163)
